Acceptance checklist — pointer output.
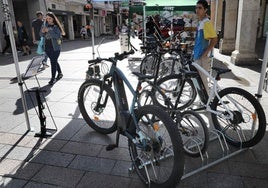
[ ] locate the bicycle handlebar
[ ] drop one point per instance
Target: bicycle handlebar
(123, 55)
(116, 57)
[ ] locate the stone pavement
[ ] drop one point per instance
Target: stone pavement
(75, 155)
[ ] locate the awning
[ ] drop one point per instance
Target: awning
(154, 3)
(61, 12)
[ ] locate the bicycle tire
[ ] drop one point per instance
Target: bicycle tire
(252, 114)
(169, 85)
(165, 67)
(161, 149)
(148, 63)
(103, 119)
(194, 133)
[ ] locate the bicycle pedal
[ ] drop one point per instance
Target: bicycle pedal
(111, 147)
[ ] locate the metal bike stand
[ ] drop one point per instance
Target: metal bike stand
(44, 133)
(35, 67)
(226, 154)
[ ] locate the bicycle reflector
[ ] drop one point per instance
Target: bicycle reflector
(96, 118)
(156, 127)
(254, 117)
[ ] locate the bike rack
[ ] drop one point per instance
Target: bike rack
(215, 136)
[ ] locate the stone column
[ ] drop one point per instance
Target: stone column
(248, 13)
(216, 11)
(227, 43)
(70, 27)
(84, 20)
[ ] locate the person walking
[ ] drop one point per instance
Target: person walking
(36, 27)
(52, 32)
(23, 39)
(6, 36)
(206, 39)
(83, 32)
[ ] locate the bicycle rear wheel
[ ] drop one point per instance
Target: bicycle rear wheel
(194, 133)
(181, 96)
(247, 127)
(158, 154)
(97, 106)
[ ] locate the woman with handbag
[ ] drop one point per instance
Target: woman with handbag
(52, 32)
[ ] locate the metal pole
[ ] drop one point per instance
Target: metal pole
(263, 69)
(8, 22)
(144, 22)
(92, 33)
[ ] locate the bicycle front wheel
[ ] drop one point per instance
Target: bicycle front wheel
(181, 92)
(247, 127)
(148, 64)
(194, 133)
(97, 106)
(157, 155)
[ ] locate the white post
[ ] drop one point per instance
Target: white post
(16, 60)
(144, 22)
(92, 34)
(263, 69)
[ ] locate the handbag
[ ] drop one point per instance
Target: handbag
(40, 47)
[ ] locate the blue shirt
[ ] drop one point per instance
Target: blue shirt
(204, 33)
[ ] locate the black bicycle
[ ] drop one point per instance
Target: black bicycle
(154, 140)
(193, 128)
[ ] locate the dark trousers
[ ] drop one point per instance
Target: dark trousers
(7, 44)
(55, 67)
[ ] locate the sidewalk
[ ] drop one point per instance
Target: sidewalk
(75, 155)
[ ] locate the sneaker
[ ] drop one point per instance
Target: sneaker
(60, 75)
(45, 65)
(52, 82)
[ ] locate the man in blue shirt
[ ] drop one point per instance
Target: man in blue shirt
(206, 39)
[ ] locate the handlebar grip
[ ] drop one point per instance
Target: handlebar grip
(94, 61)
(123, 55)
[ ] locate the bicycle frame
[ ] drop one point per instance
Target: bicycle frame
(125, 114)
(212, 93)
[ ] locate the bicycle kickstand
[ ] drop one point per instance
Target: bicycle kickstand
(112, 146)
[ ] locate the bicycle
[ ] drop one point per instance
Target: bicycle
(159, 54)
(193, 129)
(165, 69)
(234, 111)
(168, 52)
(155, 145)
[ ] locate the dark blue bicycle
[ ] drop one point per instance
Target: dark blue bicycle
(154, 140)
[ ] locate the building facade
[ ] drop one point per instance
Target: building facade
(71, 14)
(240, 23)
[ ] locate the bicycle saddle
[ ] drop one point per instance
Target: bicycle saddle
(220, 71)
